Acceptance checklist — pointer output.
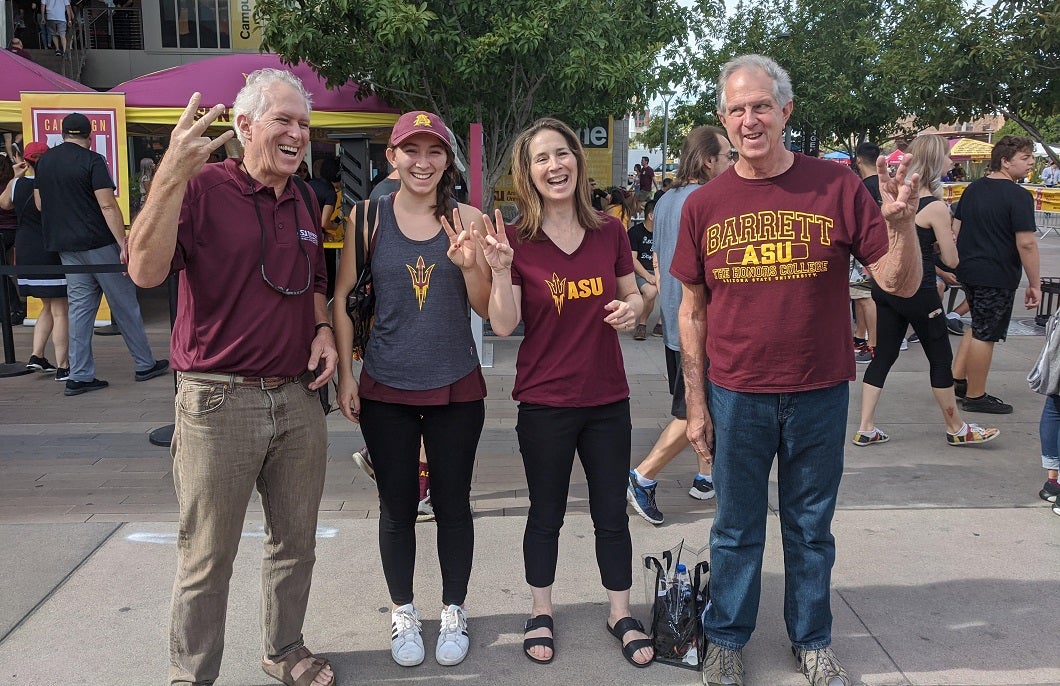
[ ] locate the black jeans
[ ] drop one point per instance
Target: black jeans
(450, 436)
(548, 437)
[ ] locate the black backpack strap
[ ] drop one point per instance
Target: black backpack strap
(364, 253)
(305, 194)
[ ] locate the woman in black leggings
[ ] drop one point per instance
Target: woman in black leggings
(923, 310)
(421, 378)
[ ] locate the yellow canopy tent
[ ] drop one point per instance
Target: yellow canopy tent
(969, 149)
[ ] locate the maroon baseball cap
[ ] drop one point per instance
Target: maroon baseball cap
(412, 123)
(33, 151)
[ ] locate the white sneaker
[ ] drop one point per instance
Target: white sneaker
(425, 511)
(453, 641)
(905, 345)
(406, 644)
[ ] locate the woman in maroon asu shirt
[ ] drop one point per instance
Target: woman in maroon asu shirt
(567, 272)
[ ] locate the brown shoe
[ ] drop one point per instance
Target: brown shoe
(640, 333)
(657, 331)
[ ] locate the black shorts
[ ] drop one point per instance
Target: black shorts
(991, 310)
(675, 375)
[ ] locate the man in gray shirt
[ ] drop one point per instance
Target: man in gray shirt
(705, 154)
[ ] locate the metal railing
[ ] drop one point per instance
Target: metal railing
(113, 28)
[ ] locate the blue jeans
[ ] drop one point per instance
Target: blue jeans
(805, 431)
(83, 292)
(1049, 431)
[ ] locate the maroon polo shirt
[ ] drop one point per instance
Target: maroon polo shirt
(229, 320)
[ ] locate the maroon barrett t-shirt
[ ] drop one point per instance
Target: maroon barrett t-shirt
(228, 319)
(774, 255)
(570, 357)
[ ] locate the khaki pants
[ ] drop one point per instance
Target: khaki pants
(228, 440)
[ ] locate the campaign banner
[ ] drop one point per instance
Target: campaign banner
(42, 120)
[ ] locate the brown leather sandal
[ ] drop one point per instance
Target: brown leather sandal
(298, 668)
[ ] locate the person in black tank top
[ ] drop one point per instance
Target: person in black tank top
(923, 310)
(421, 380)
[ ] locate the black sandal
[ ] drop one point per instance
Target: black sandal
(620, 629)
(539, 622)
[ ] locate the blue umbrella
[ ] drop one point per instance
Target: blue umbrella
(836, 155)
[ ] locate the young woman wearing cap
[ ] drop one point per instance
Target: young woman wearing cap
(566, 271)
(29, 249)
(421, 377)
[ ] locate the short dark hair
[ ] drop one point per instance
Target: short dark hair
(1007, 148)
(649, 207)
(867, 152)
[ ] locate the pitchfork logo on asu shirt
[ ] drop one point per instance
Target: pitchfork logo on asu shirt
(421, 279)
(562, 289)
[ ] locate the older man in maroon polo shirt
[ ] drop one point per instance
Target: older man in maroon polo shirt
(252, 344)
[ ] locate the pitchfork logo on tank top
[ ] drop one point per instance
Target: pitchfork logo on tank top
(421, 279)
(562, 289)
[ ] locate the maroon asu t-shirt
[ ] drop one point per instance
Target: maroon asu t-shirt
(774, 255)
(570, 357)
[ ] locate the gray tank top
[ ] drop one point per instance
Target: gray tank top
(421, 339)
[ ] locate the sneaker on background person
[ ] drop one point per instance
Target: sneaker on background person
(657, 331)
(642, 498)
(702, 488)
(160, 367)
(1050, 491)
(864, 353)
(905, 345)
(362, 459)
(79, 387)
(62, 374)
(913, 338)
(864, 438)
(1056, 508)
(40, 364)
(425, 511)
(453, 640)
(640, 333)
(971, 434)
(985, 403)
(954, 324)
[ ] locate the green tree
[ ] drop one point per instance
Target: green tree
(683, 118)
(500, 63)
(1049, 127)
(833, 50)
(1002, 59)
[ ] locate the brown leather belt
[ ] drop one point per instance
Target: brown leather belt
(265, 383)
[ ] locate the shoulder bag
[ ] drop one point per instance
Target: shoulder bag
(1045, 376)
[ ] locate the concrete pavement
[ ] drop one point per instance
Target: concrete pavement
(947, 569)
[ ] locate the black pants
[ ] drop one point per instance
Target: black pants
(450, 436)
(923, 310)
(548, 437)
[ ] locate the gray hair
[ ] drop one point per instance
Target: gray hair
(252, 99)
(782, 91)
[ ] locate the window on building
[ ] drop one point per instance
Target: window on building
(194, 23)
